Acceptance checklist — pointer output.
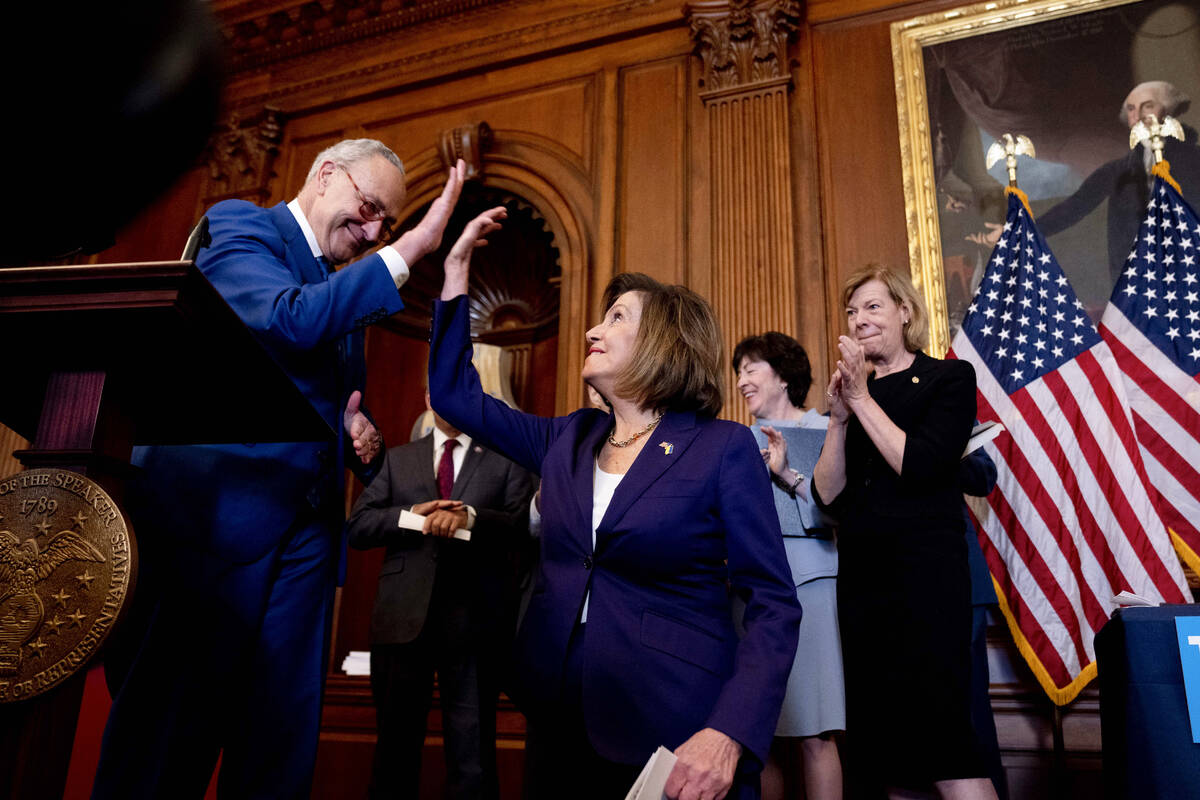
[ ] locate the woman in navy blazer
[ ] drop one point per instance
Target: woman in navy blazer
(628, 642)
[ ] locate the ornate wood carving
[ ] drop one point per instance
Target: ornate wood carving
(468, 142)
(258, 34)
(240, 159)
(409, 41)
(743, 42)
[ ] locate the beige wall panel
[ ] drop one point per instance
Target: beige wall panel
(652, 218)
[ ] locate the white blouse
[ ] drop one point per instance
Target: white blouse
(604, 485)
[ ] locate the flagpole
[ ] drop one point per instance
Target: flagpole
(1058, 764)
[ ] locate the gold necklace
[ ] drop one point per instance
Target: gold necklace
(636, 436)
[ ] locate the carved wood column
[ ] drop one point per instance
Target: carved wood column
(746, 83)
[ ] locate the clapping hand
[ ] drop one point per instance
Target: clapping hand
(853, 371)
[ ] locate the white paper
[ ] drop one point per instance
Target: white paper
(653, 778)
(358, 662)
(981, 434)
(416, 522)
(1131, 599)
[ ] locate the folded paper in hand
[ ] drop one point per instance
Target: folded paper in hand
(981, 434)
(650, 784)
(416, 522)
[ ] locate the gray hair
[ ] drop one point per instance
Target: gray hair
(1172, 99)
(351, 151)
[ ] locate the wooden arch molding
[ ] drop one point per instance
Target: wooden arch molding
(555, 184)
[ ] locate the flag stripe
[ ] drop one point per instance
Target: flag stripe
(1165, 403)
(1120, 466)
(1050, 599)
(1035, 523)
(1149, 382)
(1167, 464)
(1042, 505)
(1071, 497)
(1027, 620)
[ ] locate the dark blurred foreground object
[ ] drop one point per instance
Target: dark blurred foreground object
(108, 103)
(1144, 724)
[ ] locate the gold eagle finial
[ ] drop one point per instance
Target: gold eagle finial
(1148, 129)
(1010, 147)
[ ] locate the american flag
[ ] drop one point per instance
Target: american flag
(1071, 522)
(1152, 325)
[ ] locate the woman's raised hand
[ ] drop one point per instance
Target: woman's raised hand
(776, 450)
(458, 260)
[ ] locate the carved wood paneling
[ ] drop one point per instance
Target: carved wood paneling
(862, 194)
(380, 56)
(263, 32)
(655, 151)
(743, 45)
(754, 278)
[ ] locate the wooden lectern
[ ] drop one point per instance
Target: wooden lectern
(96, 359)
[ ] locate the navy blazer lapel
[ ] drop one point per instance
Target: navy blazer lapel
(300, 255)
(667, 444)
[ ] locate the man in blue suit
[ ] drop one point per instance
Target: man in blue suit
(225, 649)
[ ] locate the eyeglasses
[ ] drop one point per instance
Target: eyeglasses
(369, 211)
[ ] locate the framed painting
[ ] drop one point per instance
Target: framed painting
(1062, 73)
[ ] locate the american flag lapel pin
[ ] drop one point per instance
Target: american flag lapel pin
(667, 447)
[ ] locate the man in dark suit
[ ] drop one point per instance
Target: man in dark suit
(224, 652)
(444, 604)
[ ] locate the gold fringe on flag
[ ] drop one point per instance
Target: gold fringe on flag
(1060, 696)
(1185, 552)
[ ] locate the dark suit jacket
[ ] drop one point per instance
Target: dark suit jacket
(977, 476)
(495, 487)
(236, 501)
(693, 514)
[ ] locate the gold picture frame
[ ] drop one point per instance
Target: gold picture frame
(910, 38)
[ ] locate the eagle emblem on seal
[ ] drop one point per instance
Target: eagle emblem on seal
(22, 566)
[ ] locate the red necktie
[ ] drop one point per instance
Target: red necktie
(445, 473)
